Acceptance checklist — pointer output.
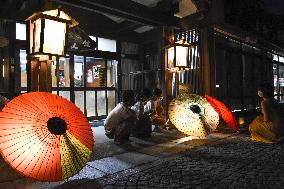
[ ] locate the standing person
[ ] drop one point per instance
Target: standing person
(268, 127)
(155, 109)
(121, 119)
(143, 127)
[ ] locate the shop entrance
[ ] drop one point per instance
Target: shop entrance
(87, 81)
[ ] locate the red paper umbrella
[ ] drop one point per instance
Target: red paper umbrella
(45, 136)
(223, 111)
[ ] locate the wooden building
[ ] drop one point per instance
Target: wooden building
(122, 46)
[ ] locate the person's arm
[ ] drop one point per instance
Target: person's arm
(148, 108)
(264, 110)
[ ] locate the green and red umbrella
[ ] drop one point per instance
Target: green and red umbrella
(196, 115)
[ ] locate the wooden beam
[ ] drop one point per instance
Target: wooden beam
(125, 9)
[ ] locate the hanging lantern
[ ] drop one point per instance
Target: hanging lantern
(48, 32)
(176, 55)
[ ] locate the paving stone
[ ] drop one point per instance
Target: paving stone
(7, 185)
(110, 165)
(87, 173)
(231, 163)
(27, 183)
(134, 158)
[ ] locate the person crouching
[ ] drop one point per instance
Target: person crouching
(121, 119)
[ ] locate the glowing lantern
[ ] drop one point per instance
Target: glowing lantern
(48, 32)
(241, 121)
(176, 55)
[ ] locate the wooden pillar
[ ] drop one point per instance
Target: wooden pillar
(40, 76)
(71, 76)
(45, 76)
(34, 82)
(119, 71)
(11, 69)
(207, 75)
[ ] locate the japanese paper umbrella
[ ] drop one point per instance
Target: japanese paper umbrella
(223, 111)
(193, 115)
(45, 136)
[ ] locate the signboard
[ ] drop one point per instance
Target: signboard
(78, 41)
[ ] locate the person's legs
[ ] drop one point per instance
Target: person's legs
(137, 129)
(159, 123)
(262, 131)
(144, 127)
(109, 133)
(123, 130)
(148, 126)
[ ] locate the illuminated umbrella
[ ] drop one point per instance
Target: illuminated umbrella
(223, 111)
(193, 115)
(45, 136)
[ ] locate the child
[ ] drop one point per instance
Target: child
(155, 109)
(143, 127)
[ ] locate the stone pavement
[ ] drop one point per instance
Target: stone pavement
(171, 160)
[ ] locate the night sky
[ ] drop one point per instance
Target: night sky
(274, 6)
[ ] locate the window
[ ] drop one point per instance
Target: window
(78, 71)
(278, 77)
(91, 103)
(106, 45)
(112, 73)
(95, 72)
(281, 59)
(53, 74)
(275, 79)
(79, 99)
(20, 31)
(64, 79)
(23, 65)
(281, 81)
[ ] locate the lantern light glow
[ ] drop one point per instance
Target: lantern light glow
(48, 32)
(177, 55)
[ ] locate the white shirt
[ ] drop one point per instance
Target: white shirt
(117, 115)
(151, 106)
(138, 108)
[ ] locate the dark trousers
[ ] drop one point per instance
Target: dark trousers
(121, 132)
(143, 127)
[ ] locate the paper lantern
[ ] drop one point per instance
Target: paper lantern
(48, 33)
(176, 55)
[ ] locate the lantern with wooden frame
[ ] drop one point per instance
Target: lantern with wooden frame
(176, 55)
(48, 32)
(47, 36)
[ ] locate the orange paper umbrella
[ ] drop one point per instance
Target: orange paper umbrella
(223, 111)
(45, 136)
